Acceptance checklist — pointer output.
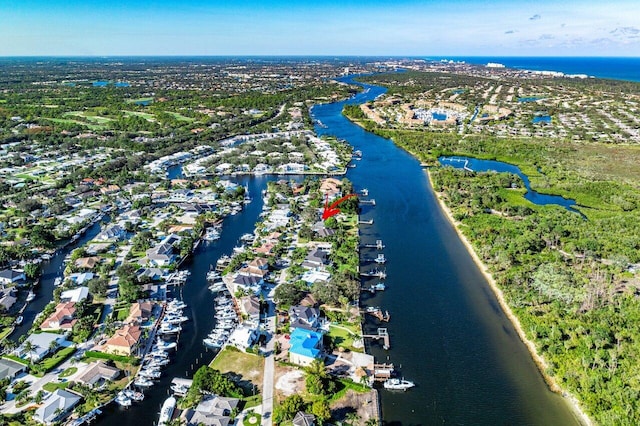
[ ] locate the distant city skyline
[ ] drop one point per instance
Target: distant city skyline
(347, 27)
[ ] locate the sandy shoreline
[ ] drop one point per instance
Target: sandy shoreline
(539, 361)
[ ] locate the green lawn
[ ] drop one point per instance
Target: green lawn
(343, 338)
(249, 367)
(144, 115)
(68, 372)
(52, 386)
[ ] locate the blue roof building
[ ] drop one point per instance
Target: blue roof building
(306, 345)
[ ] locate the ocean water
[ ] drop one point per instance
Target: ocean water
(614, 67)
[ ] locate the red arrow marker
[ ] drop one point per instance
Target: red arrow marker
(333, 210)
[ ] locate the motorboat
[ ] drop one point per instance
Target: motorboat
(162, 346)
(143, 382)
(179, 389)
(398, 384)
(166, 328)
(175, 319)
(166, 412)
(176, 304)
(31, 296)
(133, 395)
(123, 400)
(19, 320)
(150, 374)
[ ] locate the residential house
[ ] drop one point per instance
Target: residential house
(124, 341)
(331, 187)
(316, 259)
(97, 373)
(153, 274)
(80, 278)
(42, 344)
(11, 276)
(10, 369)
(250, 306)
(212, 411)
(113, 232)
(305, 317)
(244, 336)
(63, 317)
(140, 312)
(7, 299)
(87, 262)
(56, 407)
(163, 253)
(250, 284)
(303, 419)
(306, 346)
(260, 263)
(76, 295)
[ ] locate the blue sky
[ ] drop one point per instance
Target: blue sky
(318, 27)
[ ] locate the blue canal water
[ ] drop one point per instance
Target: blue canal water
(478, 165)
(448, 333)
(191, 353)
(541, 119)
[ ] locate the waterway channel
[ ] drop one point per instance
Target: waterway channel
(448, 333)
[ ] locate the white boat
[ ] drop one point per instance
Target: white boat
(133, 395)
(380, 259)
(213, 275)
(166, 412)
(213, 343)
(398, 384)
(143, 382)
(57, 281)
(123, 400)
(179, 390)
(150, 374)
(19, 320)
(162, 346)
(247, 237)
(176, 304)
(174, 319)
(31, 296)
(167, 328)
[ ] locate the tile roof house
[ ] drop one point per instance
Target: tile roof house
(140, 312)
(124, 341)
(87, 262)
(56, 407)
(63, 318)
(306, 346)
(260, 263)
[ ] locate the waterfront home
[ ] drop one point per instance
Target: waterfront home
(140, 312)
(246, 283)
(10, 369)
(313, 276)
(7, 298)
(56, 407)
(113, 232)
(124, 341)
(260, 263)
(76, 295)
(306, 346)
(63, 318)
(316, 259)
(97, 374)
(153, 274)
(41, 344)
(330, 187)
(305, 317)
(213, 410)
(250, 307)
(11, 276)
(252, 271)
(244, 336)
(87, 262)
(80, 278)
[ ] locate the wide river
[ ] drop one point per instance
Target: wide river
(448, 333)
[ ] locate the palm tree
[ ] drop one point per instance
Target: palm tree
(353, 418)
(371, 422)
(317, 368)
(29, 348)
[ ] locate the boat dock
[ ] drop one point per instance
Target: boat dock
(377, 313)
(365, 222)
(371, 202)
(386, 343)
(375, 273)
(378, 245)
(382, 372)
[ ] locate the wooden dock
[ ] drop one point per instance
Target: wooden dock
(371, 202)
(365, 222)
(386, 342)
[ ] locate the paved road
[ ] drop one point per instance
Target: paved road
(269, 368)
